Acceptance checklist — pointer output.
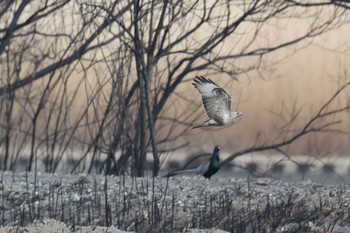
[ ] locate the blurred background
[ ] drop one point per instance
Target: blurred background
(105, 86)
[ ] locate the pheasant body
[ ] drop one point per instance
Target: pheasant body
(210, 167)
(206, 169)
(214, 167)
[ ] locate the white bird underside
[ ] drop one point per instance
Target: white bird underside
(216, 103)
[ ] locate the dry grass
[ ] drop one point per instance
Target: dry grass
(147, 205)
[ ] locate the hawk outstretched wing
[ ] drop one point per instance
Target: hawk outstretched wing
(216, 101)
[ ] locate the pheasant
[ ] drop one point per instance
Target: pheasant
(207, 169)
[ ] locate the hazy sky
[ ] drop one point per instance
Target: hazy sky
(307, 79)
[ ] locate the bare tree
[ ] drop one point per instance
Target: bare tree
(326, 119)
(168, 44)
(99, 79)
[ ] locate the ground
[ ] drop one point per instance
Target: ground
(87, 203)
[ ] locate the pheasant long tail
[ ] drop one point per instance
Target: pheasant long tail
(170, 174)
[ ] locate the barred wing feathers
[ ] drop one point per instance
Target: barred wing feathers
(216, 101)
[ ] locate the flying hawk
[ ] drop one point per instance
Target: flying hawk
(216, 102)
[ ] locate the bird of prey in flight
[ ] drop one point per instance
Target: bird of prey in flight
(216, 103)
